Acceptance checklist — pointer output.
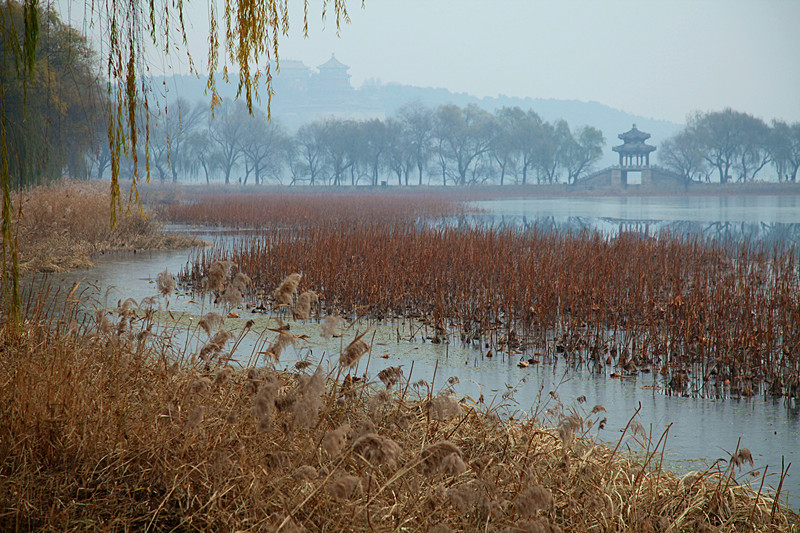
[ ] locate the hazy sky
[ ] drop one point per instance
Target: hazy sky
(661, 59)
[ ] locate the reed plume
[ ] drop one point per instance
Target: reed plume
(216, 276)
(333, 442)
(281, 342)
(453, 465)
(165, 283)
(264, 402)
(378, 402)
(391, 376)
(308, 399)
(127, 307)
(433, 455)
(330, 326)
(354, 351)
(214, 346)
(286, 290)
(462, 497)
(638, 429)
(377, 450)
(305, 473)
(223, 375)
(210, 322)
(532, 499)
(444, 407)
(568, 427)
(240, 281)
(232, 297)
(302, 307)
(195, 418)
(342, 486)
(200, 385)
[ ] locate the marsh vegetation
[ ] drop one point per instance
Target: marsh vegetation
(712, 319)
(112, 420)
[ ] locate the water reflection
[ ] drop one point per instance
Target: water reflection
(773, 220)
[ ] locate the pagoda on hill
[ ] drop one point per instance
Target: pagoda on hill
(333, 74)
(634, 152)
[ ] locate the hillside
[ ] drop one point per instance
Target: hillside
(303, 95)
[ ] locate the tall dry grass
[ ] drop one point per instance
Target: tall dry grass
(102, 430)
(63, 225)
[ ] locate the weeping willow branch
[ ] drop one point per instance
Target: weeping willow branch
(252, 33)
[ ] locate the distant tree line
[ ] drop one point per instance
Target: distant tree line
(57, 123)
(54, 113)
(730, 146)
(448, 145)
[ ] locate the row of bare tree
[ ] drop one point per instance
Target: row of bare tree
(729, 146)
(448, 145)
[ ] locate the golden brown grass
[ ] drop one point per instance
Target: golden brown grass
(100, 433)
(66, 223)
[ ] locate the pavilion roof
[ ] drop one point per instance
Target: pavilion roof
(634, 148)
(634, 135)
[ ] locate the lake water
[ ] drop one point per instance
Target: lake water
(773, 218)
(702, 430)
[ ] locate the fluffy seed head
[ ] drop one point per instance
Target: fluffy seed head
(391, 376)
(210, 322)
(342, 486)
(598, 409)
(303, 306)
(195, 417)
(377, 450)
(433, 456)
(330, 326)
(334, 440)
(223, 375)
(240, 281)
(285, 291)
(217, 273)
(305, 473)
(444, 407)
(165, 283)
(532, 499)
(453, 465)
(353, 353)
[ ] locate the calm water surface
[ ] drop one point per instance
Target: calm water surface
(775, 218)
(701, 431)
(783, 209)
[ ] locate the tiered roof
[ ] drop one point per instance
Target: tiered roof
(633, 142)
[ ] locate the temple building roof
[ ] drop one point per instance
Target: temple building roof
(333, 64)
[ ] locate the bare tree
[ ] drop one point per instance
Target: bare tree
(418, 127)
(226, 130)
(463, 135)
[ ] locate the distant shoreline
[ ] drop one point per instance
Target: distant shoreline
(486, 192)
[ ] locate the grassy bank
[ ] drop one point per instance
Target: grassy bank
(64, 225)
(106, 426)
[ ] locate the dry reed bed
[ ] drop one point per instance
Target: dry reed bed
(308, 208)
(62, 225)
(712, 320)
(103, 430)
